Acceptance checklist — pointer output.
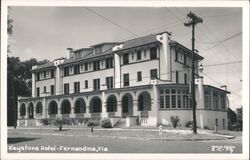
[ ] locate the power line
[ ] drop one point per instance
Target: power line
(221, 64)
(125, 29)
(223, 41)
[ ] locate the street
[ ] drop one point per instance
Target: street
(54, 143)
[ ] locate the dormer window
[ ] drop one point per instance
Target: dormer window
(98, 49)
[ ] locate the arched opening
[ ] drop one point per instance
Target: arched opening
(95, 105)
(127, 105)
(80, 106)
(112, 104)
(53, 109)
(31, 111)
(65, 107)
(22, 110)
(39, 108)
(144, 102)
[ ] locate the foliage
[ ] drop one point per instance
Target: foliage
(86, 120)
(92, 123)
(174, 120)
(206, 127)
(106, 123)
(189, 124)
(45, 121)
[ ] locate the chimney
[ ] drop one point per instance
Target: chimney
(70, 54)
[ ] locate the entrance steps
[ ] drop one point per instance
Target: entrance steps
(121, 123)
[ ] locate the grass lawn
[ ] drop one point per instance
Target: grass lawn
(138, 134)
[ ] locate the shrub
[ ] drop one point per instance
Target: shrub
(106, 123)
(81, 120)
(189, 124)
(45, 121)
(206, 127)
(92, 123)
(85, 120)
(174, 120)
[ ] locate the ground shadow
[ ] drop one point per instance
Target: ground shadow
(61, 130)
(14, 140)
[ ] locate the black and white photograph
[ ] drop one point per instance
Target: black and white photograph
(124, 80)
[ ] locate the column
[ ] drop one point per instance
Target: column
(33, 85)
(87, 114)
(200, 95)
(119, 109)
(57, 84)
(18, 110)
(59, 112)
(153, 114)
(45, 110)
(135, 108)
(72, 114)
(34, 111)
(104, 106)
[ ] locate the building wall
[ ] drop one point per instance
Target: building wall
(41, 84)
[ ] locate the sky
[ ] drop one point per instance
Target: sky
(46, 33)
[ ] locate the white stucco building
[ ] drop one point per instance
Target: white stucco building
(147, 77)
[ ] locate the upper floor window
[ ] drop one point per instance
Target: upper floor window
(38, 76)
(153, 74)
(86, 66)
(98, 49)
(177, 77)
(125, 59)
(153, 53)
(207, 100)
(96, 84)
(52, 75)
(52, 89)
(96, 65)
(185, 78)
(76, 69)
(66, 88)
(139, 77)
(215, 100)
(38, 92)
(126, 79)
(86, 84)
(76, 87)
(109, 62)
(44, 89)
(66, 71)
(138, 55)
(44, 74)
(109, 82)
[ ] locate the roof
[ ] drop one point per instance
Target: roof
(173, 43)
(44, 66)
(148, 39)
(107, 43)
(88, 56)
(217, 88)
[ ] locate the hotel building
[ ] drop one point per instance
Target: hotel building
(146, 77)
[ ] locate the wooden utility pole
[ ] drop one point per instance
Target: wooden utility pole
(193, 20)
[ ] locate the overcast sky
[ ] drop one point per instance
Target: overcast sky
(46, 32)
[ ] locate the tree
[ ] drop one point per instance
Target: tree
(19, 83)
(239, 117)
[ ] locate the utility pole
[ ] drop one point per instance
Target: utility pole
(193, 20)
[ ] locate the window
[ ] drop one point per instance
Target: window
(76, 69)
(109, 62)
(44, 74)
(96, 65)
(125, 59)
(109, 82)
(126, 79)
(38, 76)
(98, 49)
(86, 84)
(38, 92)
(86, 66)
(177, 77)
(215, 100)
(153, 53)
(76, 87)
(66, 71)
(207, 99)
(185, 78)
(44, 89)
(223, 123)
(179, 98)
(52, 75)
(176, 55)
(185, 59)
(223, 102)
(216, 122)
(52, 90)
(66, 88)
(153, 73)
(96, 84)
(138, 55)
(139, 78)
